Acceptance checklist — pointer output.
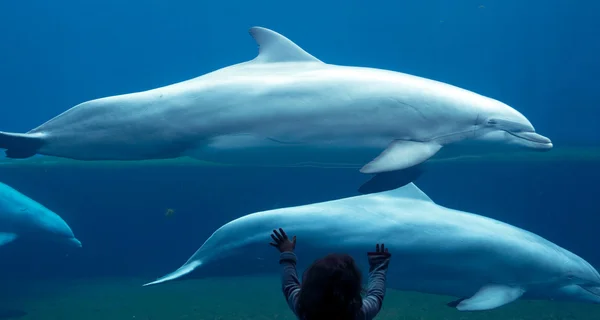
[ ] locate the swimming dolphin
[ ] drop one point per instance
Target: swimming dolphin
(283, 108)
(21, 216)
(484, 262)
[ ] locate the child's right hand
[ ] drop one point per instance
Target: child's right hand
(282, 243)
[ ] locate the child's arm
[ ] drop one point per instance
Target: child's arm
(376, 290)
(289, 279)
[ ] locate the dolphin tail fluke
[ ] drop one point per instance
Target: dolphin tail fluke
(185, 269)
(20, 145)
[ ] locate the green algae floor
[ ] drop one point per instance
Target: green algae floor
(240, 298)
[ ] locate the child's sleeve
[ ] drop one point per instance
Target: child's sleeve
(376, 290)
(289, 279)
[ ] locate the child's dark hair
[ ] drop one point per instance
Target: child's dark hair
(331, 289)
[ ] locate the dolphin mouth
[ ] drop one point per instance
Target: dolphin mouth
(533, 140)
(593, 290)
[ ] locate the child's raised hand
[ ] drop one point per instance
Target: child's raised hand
(380, 252)
(282, 243)
(380, 257)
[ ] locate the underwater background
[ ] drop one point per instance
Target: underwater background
(540, 57)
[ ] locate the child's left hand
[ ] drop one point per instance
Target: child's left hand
(282, 242)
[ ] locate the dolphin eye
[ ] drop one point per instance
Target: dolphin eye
(492, 122)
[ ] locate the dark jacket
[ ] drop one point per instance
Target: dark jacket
(371, 302)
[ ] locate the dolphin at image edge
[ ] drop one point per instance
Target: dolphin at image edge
(21, 216)
(484, 262)
(283, 108)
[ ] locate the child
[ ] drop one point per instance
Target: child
(331, 286)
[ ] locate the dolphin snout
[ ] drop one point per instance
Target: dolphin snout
(542, 143)
(74, 242)
(536, 137)
(534, 140)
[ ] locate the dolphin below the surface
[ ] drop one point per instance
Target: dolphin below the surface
(285, 107)
(21, 216)
(437, 250)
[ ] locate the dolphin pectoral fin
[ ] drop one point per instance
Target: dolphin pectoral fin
(390, 180)
(401, 154)
(490, 297)
(6, 238)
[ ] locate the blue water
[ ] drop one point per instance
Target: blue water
(119, 213)
(540, 57)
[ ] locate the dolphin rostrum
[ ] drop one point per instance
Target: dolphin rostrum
(283, 108)
(482, 261)
(21, 216)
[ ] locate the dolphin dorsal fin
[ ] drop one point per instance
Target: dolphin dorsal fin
(409, 191)
(273, 47)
